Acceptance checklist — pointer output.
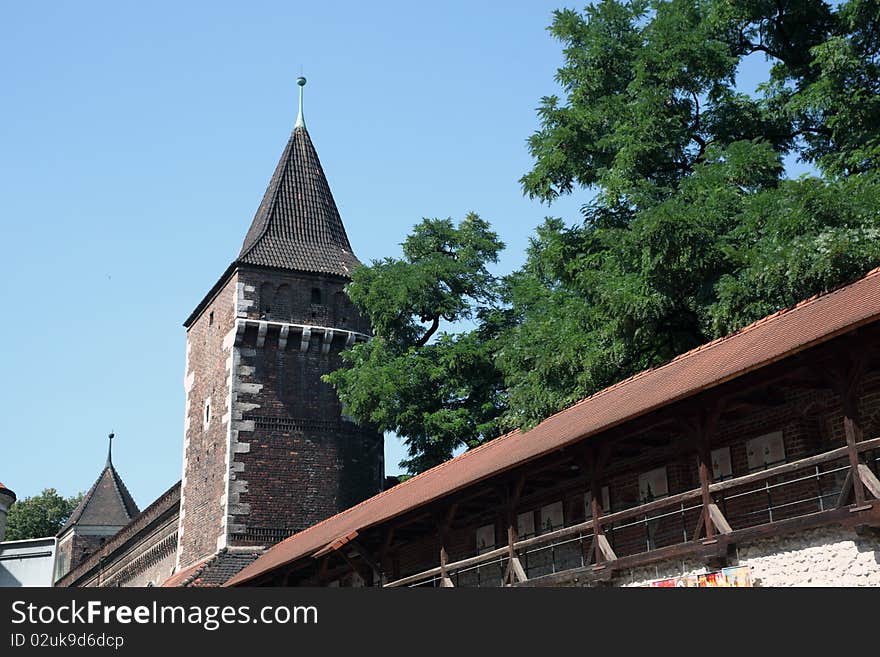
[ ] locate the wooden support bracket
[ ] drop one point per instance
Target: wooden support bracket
(870, 480)
(517, 571)
(718, 519)
(846, 490)
(605, 547)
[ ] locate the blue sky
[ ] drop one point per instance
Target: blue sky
(137, 141)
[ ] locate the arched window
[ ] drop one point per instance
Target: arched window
(267, 293)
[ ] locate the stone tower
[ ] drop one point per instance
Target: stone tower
(103, 511)
(267, 450)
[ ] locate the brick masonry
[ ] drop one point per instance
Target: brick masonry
(267, 451)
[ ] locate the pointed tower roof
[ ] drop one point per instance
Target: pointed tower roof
(108, 502)
(297, 225)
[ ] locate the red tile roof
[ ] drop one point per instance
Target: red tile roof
(768, 340)
(178, 578)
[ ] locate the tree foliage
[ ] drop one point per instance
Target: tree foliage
(437, 389)
(692, 229)
(39, 516)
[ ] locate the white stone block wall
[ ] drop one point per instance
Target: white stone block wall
(829, 556)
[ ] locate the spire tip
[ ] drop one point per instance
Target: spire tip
(110, 449)
(300, 122)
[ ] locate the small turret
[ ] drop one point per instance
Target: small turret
(7, 497)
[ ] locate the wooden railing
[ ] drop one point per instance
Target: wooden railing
(667, 506)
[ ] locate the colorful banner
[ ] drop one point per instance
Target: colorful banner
(736, 576)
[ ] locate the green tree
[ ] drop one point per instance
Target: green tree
(40, 515)
(428, 373)
(693, 230)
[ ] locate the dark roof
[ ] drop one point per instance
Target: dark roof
(767, 341)
(7, 491)
(167, 503)
(215, 570)
(297, 225)
(108, 503)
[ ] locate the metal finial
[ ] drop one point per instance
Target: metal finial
(300, 123)
(110, 449)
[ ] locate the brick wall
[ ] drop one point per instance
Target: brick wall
(304, 461)
(206, 439)
(276, 454)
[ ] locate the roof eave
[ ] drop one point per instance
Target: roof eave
(237, 265)
(868, 318)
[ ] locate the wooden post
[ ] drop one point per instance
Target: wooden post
(703, 430)
(853, 432)
(515, 571)
(383, 555)
(845, 379)
(443, 526)
(595, 464)
(705, 481)
(323, 569)
(445, 581)
(350, 562)
(375, 570)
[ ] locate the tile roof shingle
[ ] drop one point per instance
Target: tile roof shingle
(108, 503)
(297, 225)
(214, 570)
(782, 334)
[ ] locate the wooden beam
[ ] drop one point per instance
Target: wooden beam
(335, 545)
(718, 519)
(845, 373)
(670, 501)
(511, 541)
(450, 516)
(350, 563)
(788, 468)
(368, 559)
(870, 480)
(389, 540)
(706, 426)
(444, 558)
(323, 570)
(845, 490)
(595, 463)
(867, 516)
(517, 570)
(699, 527)
(853, 435)
(517, 491)
(605, 548)
(443, 531)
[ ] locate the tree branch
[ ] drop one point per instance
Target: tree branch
(435, 324)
